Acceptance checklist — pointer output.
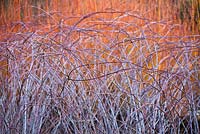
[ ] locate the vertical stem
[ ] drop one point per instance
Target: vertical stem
(25, 107)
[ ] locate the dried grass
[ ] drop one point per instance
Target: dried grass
(100, 76)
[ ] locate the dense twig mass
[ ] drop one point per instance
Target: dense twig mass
(100, 76)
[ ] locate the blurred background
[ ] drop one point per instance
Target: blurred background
(45, 12)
